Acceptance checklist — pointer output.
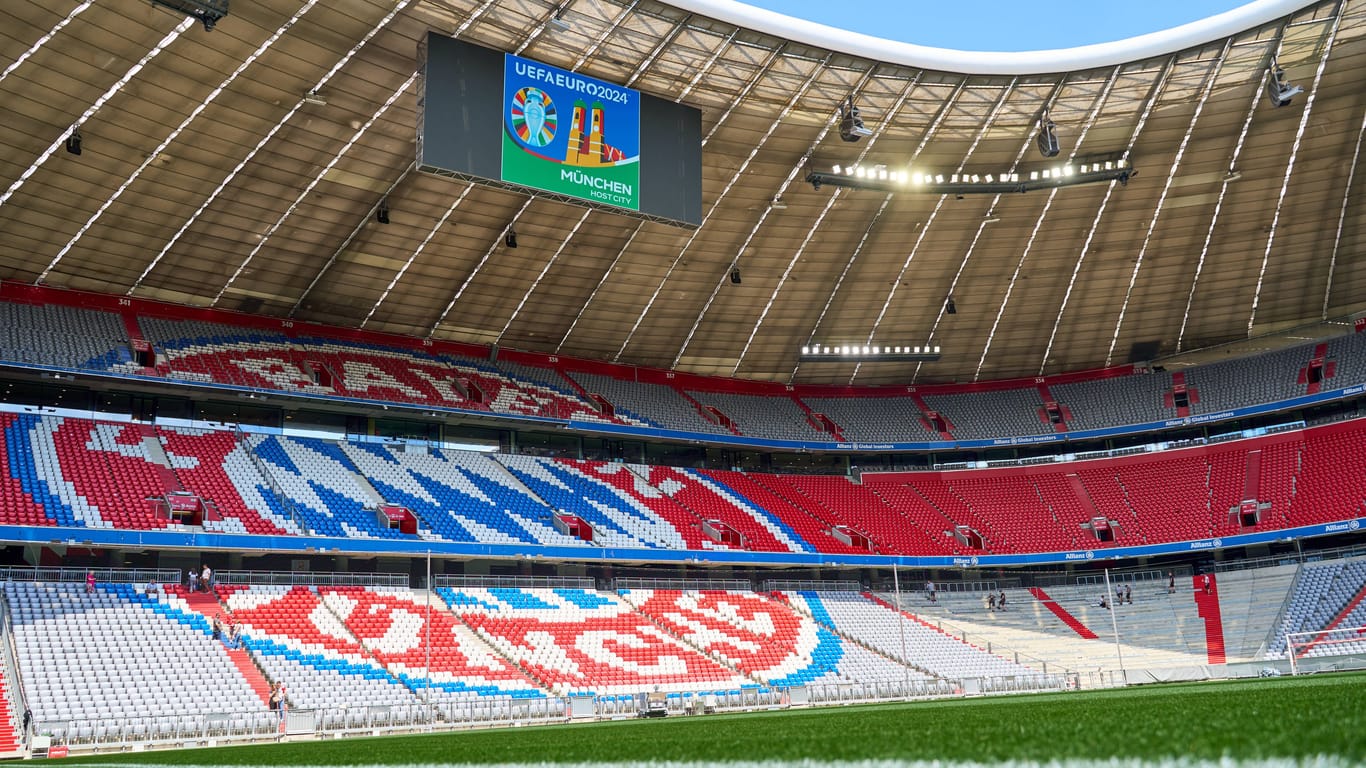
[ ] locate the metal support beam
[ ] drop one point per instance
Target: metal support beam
(384, 22)
(792, 174)
(90, 111)
(1290, 164)
(166, 142)
(1166, 188)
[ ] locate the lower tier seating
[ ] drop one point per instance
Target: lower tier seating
(110, 658)
(765, 639)
(299, 642)
(579, 641)
(904, 636)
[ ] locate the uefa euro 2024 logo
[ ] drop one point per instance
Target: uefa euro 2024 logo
(534, 117)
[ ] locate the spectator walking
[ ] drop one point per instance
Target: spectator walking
(1171, 583)
(194, 580)
(929, 591)
(206, 578)
(28, 722)
(991, 602)
(1208, 584)
(1129, 594)
(1001, 600)
(89, 582)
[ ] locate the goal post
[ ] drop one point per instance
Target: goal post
(1324, 643)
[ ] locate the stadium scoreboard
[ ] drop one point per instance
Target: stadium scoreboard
(512, 122)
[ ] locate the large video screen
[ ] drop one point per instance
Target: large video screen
(514, 122)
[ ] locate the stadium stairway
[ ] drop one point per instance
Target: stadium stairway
(207, 605)
(1081, 629)
(1207, 603)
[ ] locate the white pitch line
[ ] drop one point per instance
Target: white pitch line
(1314, 761)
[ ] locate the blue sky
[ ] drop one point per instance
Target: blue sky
(993, 25)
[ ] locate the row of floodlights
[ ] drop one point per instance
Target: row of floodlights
(881, 173)
(869, 350)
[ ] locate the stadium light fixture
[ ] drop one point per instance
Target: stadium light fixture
(382, 212)
(1047, 138)
(73, 142)
(881, 178)
(510, 239)
(867, 353)
(851, 122)
(1278, 91)
(315, 98)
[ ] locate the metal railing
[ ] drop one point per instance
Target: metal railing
(722, 585)
(127, 733)
(1096, 579)
(516, 582)
(797, 585)
(108, 575)
(309, 578)
(953, 587)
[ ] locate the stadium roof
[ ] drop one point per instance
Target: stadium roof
(205, 178)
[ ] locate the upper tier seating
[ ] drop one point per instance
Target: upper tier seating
(22, 498)
(1348, 355)
(894, 527)
(765, 639)
(299, 642)
(259, 355)
(875, 419)
(580, 641)
(656, 404)
(985, 415)
(78, 472)
(635, 493)
(1101, 403)
(772, 416)
(109, 657)
(87, 473)
(215, 465)
(1264, 378)
(889, 632)
(392, 626)
(812, 527)
(617, 521)
(331, 497)
(459, 495)
(65, 337)
(200, 351)
(544, 395)
(710, 499)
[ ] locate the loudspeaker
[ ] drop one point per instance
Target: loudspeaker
(735, 276)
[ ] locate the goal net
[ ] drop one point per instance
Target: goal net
(1324, 649)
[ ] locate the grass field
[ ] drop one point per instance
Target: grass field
(1302, 721)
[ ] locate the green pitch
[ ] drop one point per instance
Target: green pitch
(1252, 721)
